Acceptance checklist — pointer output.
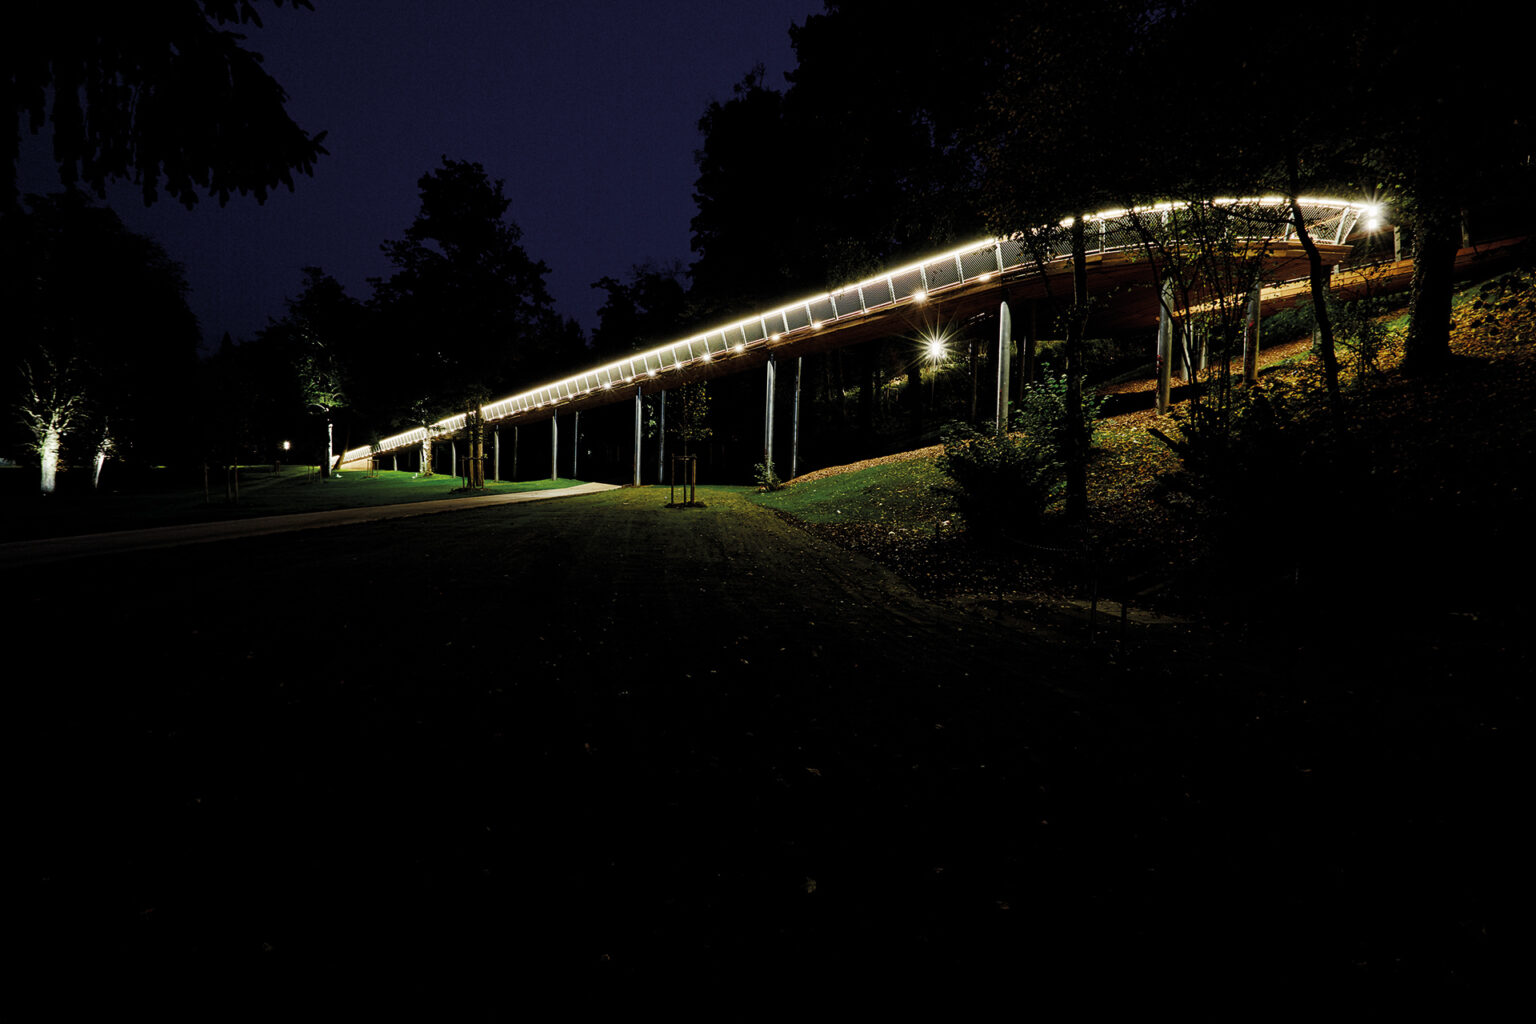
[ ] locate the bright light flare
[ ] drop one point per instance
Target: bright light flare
(937, 350)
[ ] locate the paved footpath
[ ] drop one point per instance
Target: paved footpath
(31, 552)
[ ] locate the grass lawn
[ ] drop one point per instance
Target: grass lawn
(598, 745)
(594, 744)
(160, 500)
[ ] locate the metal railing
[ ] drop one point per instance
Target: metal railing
(1328, 220)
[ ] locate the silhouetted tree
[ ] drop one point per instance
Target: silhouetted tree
(161, 93)
(651, 308)
(1055, 144)
(321, 340)
(466, 309)
(102, 341)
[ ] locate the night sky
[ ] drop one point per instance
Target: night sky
(587, 109)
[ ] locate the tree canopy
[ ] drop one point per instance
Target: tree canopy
(163, 94)
(468, 313)
(100, 329)
(652, 307)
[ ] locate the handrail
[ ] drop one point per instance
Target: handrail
(1117, 230)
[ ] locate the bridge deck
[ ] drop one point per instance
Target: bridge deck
(917, 299)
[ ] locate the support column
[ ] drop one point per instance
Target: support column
(496, 453)
(1004, 345)
(453, 457)
(1251, 339)
(794, 434)
(661, 443)
(575, 440)
(1165, 348)
(554, 446)
(1031, 341)
(638, 396)
(768, 415)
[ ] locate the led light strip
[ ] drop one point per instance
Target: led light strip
(718, 341)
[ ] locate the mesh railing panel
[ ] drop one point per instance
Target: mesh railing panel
(1327, 220)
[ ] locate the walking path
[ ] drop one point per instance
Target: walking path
(32, 552)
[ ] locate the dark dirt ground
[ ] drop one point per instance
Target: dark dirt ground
(595, 745)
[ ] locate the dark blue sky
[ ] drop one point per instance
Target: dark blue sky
(588, 109)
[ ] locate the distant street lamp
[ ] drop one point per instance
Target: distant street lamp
(937, 351)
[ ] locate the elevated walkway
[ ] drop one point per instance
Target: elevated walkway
(920, 297)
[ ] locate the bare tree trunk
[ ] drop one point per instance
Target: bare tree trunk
(1428, 346)
(49, 453)
(104, 448)
(1319, 280)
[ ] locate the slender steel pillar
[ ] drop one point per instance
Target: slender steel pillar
(768, 414)
(661, 443)
(1004, 345)
(554, 446)
(496, 453)
(637, 436)
(453, 457)
(794, 434)
(514, 453)
(575, 440)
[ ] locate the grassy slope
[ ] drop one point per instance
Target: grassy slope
(1417, 438)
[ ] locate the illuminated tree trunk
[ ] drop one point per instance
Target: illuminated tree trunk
(426, 457)
(476, 468)
(49, 406)
(104, 448)
(48, 450)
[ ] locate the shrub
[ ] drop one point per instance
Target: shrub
(998, 481)
(766, 478)
(1041, 414)
(1242, 463)
(1360, 331)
